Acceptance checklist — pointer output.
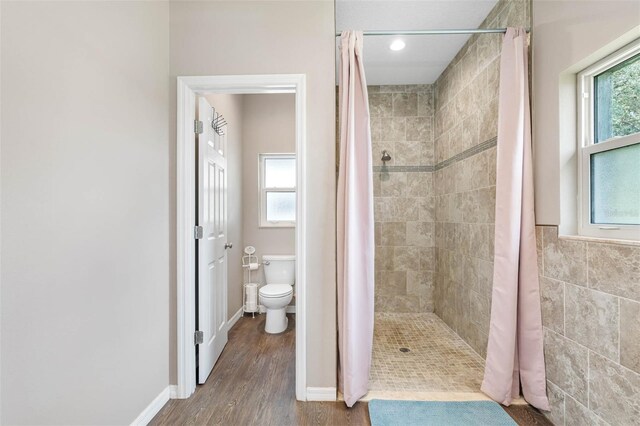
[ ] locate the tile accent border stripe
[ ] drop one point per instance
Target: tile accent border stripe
(490, 143)
(397, 169)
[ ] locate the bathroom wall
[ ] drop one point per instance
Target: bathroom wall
(466, 105)
(272, 37)
(591, 315)
(568, 36)
(269, 127)
(402, 123)
(590, 288)
(86, 210)
(231, 107)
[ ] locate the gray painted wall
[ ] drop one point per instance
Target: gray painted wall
(269, 127)
(265, 37)
(86, 205)
(567, 36)
(88, 187)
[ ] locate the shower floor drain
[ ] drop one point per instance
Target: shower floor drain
(405, 350)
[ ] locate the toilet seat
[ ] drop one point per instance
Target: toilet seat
(275, 290)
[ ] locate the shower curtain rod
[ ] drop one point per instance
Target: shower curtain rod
(434, 32)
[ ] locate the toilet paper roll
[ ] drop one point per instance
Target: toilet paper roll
(253, 266)
(251, 297)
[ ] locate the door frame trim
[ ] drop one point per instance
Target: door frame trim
(188, 90)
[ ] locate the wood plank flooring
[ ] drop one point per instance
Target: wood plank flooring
(253, 383)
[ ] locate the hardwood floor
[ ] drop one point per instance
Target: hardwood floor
(253, 383)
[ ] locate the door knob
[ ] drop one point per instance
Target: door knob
(228, 246)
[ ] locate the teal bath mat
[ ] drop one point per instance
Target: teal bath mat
(437, 413)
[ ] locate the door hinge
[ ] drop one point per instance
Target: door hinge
(198, 127)
(198, 232)
(198, 337)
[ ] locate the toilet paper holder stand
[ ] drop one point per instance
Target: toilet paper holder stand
(250, 263)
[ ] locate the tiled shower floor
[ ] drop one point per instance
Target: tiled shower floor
(438, 360)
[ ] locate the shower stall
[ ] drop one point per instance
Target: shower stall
(434, 208)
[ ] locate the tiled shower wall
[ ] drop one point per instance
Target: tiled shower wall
(466, 99)
(591, 315)
(402, 123)
(590, 289)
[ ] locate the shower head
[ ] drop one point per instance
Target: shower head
(385, 156)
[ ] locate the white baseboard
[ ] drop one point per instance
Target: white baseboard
(234, 319)
(152, 409)
(322, 394)
(173, 391)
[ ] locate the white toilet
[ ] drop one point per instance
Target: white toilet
(280, 274)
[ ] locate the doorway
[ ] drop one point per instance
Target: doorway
(189, 89)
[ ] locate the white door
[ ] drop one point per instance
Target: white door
(212, 247)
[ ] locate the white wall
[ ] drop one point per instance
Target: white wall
(263, 37)
(269, 127)
(85, 210)
(567, 37)
(88, 190)
(231, 107)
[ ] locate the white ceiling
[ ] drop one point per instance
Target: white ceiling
(425, 57)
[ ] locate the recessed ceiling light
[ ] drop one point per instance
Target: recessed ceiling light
(397, 45)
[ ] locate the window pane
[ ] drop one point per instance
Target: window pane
(280, 173)
(617, 100)
(615, 186)
(281, 206)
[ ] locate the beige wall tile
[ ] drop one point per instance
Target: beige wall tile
(393, 185)
(428, 152)
(491, 154)
(408, 153)
(391, 283)
(539, 248)
(630, 334)
(384, 258)
(393, 129)
(614, 391)
(419, 129)
(577, 414)
(420, 234)
(564, 260)
(427, 259)
(405, 104)
(419, 184)
(615, 269)
(473, 173)
(406, 258)
(488, 126)
(419, 282)
(567, 364)
(427, 209)
(380, 104)
(552, 300)
(556, 401)
(591, 319)
(426, 103)
(393, 234)
(402, 122)
(486, 199)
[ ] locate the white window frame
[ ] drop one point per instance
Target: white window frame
(587, 147)
(263, 222)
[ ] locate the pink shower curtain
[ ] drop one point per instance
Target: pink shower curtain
(515, 355)
(355, 225)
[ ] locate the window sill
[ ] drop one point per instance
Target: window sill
(635, 243)
(286, 225)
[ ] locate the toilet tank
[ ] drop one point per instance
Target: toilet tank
(279, 269)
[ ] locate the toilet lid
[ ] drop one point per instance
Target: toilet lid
(275, 290)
